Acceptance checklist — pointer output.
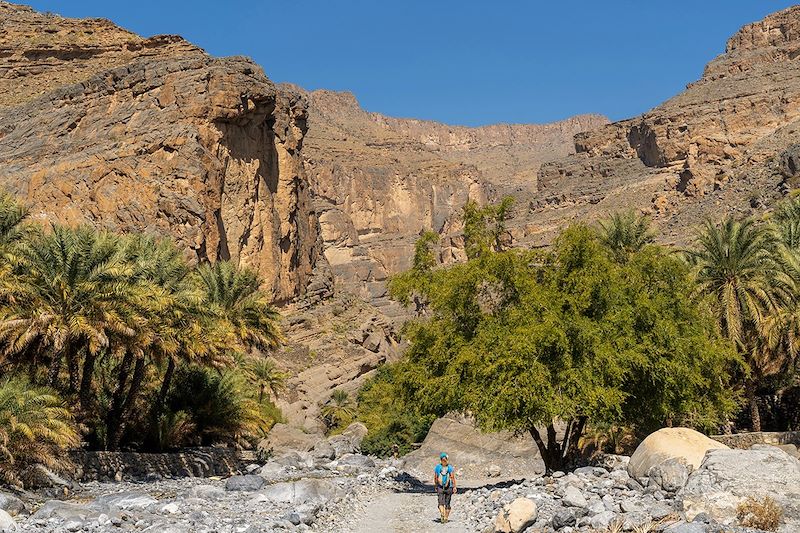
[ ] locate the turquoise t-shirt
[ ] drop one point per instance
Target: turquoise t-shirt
(444, 475)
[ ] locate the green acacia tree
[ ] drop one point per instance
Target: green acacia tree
(525, 339)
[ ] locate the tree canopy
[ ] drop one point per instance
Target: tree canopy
(522, 339)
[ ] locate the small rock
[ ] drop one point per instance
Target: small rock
(6, 522)
(671, 475)
(564, 518)
(11, 504)
(574, 498)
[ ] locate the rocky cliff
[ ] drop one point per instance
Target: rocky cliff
(380, 181)
(101, 126)
(716, 147)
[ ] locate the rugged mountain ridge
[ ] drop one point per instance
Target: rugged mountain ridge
(714, 148)
(101, 126)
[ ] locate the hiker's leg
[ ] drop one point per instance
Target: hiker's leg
(440, 498)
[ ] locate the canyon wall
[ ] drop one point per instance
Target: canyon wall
(103, 127)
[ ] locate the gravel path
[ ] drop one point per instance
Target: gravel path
(404, 512)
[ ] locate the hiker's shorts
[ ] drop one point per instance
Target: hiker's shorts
(444, 496)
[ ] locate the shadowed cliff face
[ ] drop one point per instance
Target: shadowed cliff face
(103, 127)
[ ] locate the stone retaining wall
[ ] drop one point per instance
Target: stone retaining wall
(195, 462)
(743, 441)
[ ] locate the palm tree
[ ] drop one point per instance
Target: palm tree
(737, 267)
(74, 296)
(13, 229)
(338, 410)
(266, 375)
(237, 295)
(625, 233)
(176, 327)
(786, 221)
(35, 428)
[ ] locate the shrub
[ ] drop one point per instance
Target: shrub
(391, 421)
(35, 428)
(763, 514)
(339, 411)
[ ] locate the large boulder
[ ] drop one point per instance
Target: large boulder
(472, 451)
(6, 522)
(728, 477)
(283, 438)
(671, 443)
(304, 491)
(349, 440)
(516, 516)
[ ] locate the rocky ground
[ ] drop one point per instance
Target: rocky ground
(326, 490)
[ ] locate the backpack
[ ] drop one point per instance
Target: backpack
(444, 476)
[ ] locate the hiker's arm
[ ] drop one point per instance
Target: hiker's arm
(453, 477)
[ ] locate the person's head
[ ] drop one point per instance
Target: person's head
(443, 458)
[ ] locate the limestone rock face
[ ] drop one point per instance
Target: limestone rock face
(713, 149)
(104, 127)
(380, 181)
(671, 443)
(728, 477)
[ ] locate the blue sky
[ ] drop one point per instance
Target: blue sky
(459, 62)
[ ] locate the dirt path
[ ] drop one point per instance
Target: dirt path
(406, 512)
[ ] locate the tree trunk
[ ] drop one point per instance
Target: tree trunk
(118, 398)
(559, 456)
(161, 399)
(73, 366)
(54, 370)
(124, 414)
(755, 415)
(86, 381)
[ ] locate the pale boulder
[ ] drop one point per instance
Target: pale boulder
(516, 516)
(284, 438)
(728, 477)
(684, 444)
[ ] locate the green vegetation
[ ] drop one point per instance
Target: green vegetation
(394, 424)
(750, 273)
(115, 325)
(34, 427)
(521, 339)
(339, 411)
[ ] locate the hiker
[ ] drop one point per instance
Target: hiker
(444, 479)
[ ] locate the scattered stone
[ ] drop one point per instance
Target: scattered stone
(671, 475)
(574, 497)
(247, 483)
(7, 522)
(564, 518)
(11, 504)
